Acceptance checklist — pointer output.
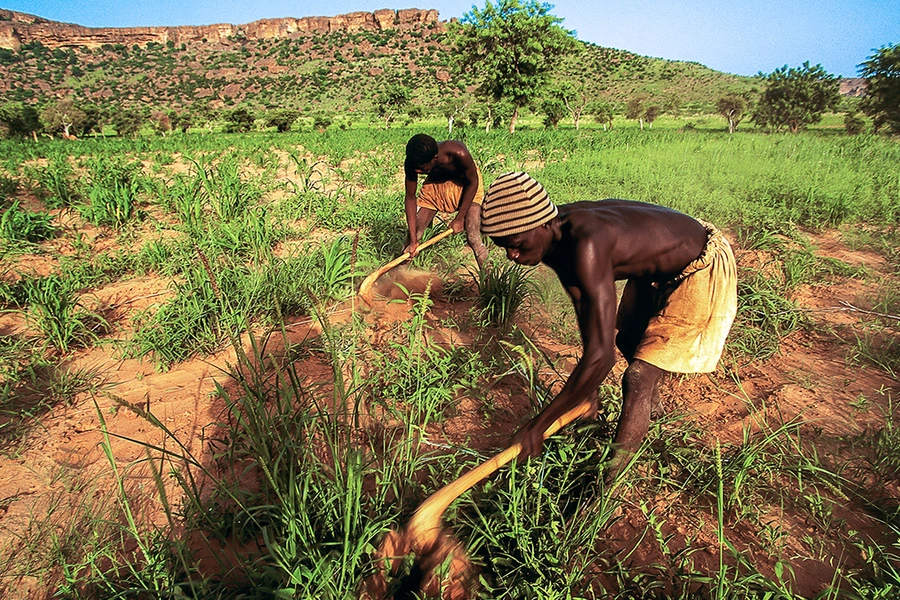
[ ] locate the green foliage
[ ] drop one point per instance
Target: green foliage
(18, 119)
(338, 268)
(795, 98)
(63, 116)
(882, 99)
(58, 182)
(281, 119)
(112, 194)
(853, 123)
(127, 121)
(511, 48)
(502, 290)
(732, 107)
(239, 120)
(390, 100)
(554, 110)
(17, 224)
(55, 309)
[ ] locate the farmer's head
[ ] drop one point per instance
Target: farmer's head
(516, 214)
(421, 150)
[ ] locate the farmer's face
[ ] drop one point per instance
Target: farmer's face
(427, 167)
(526, 248)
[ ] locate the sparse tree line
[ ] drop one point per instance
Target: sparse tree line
(510, 49)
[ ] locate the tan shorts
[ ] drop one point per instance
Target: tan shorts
(445, 196)
(688, 334)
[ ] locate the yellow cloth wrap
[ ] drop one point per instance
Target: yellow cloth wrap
(688, 334)
(445, 196)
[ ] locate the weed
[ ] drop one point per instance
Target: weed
(19, 225)
(58, 181)
(502, 291)
(338, 267)
(55, 309)
(112, 195)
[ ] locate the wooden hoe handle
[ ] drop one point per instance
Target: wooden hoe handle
(368, 281)
(426, 522)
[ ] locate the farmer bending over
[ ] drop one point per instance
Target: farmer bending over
(453, 184)
(677, 307)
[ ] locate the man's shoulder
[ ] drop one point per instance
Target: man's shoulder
(613, 216)
(452, 146)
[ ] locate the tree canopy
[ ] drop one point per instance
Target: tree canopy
(511, 47)
(882, 101)
(795, 98)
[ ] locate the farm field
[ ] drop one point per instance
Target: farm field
(195, 403)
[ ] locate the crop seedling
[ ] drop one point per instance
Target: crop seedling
(55, 309)
(502, 291)
(19, 225)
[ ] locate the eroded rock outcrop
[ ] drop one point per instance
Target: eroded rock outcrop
(19, 28)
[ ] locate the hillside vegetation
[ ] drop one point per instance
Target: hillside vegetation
(341, 71)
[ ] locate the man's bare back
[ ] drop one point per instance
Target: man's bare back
(590, 245)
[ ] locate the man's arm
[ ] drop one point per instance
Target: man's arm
(409, 203)
(470, 186)
(594, 298)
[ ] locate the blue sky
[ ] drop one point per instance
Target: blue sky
(742, 37)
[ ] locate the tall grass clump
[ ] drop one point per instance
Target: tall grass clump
(501, 291)
(58, 182)
(8, 187)
(534, 529)
(415, 380)
(20, 225)
(294, 486)
(190, 323)
(55, 309)
(112, 193)
(339, 268)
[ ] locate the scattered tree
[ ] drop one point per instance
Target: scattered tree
(554, 109)
(575, 98)
(452, 109)
(161, 122)
(511, 47)
(19, 120)
(127, 121)
(182, 120)
(239, 120)
(650, 114)
(390, 101)
(281, 119)
(795, 98)
(882, 100)
(602, 112)
(321, 122)
(635, 109)
(732, 107)
(63, 117)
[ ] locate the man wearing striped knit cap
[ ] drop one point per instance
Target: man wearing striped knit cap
(677, 306)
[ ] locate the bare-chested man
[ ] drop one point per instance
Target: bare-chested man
(677, 307)
(453, 184)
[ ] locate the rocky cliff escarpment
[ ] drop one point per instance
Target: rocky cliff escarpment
(20, 28)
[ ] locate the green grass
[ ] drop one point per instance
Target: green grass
(303, 477)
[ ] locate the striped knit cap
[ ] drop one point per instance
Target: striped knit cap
(515, 203)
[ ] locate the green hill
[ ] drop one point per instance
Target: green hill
(336, 73)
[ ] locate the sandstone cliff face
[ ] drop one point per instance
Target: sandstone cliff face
(853, 86)
(20, 28)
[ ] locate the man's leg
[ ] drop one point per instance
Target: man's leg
(640, 384)
(473, 234)
(424, 217)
